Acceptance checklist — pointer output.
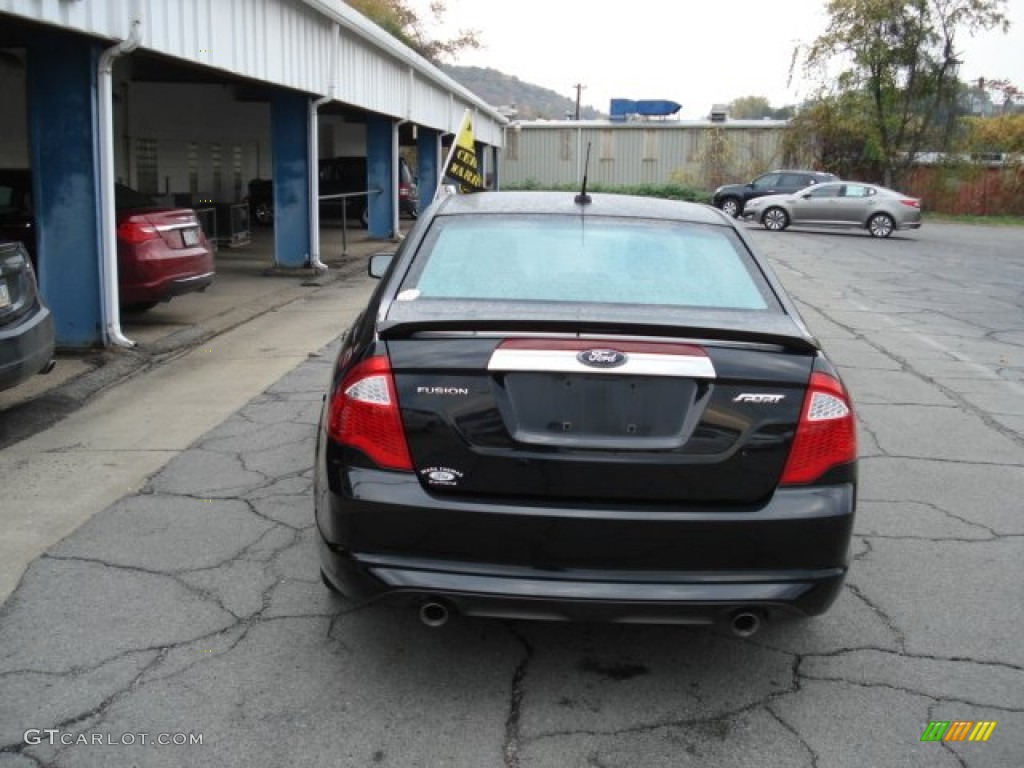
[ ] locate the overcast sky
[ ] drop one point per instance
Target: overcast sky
(694, 52)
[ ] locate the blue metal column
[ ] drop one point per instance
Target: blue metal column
(428, 164)
(378, 173)
(64, 149)
(289, 128)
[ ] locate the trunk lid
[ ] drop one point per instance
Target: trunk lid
(599, 419)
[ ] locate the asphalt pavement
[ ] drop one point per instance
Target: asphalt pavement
(78, 439)
(186, 607)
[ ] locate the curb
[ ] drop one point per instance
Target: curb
(111, 366)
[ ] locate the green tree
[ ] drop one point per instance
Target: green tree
(1002, 133)
(902, 55)
(750, 108)
(400, 21)
(832, 133)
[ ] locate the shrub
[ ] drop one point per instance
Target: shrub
(665, 191)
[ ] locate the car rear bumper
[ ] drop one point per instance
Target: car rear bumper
(164, 288)
(188, 284)
(386, 537)
(679, 597)
(26, 347)
(153, 272)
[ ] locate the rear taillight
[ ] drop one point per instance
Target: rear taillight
(363, 414)
(911, 203)
(826, 435)
(135, 230)
(404, 191)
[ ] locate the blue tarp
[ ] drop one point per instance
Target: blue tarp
(621, 108)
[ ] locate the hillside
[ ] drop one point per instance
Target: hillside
(532, 101)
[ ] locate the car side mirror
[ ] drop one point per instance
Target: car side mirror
(379, 263)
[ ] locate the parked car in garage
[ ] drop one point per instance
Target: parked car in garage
(847, 204)
(608, 410)
(340, 175)
(732, 198)
(162, 251)
(26, 325)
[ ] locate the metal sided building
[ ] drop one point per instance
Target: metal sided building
(192, 99)
(699, 153)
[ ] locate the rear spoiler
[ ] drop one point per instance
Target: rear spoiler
(406, 320)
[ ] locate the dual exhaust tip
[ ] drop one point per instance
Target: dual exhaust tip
(743, 623)
(434, 613)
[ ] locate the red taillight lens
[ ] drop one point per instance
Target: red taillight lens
(136, 230)
(826, 435)
(404, 190)
(912, 203)
(364, 414)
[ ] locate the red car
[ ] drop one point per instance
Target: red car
(162, 252)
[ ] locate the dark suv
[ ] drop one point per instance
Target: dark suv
(732, 197)
(339, 176)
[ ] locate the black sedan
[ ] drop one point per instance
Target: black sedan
(26, 325)
(601, 410)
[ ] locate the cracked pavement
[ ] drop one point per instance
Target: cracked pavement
(195, 605)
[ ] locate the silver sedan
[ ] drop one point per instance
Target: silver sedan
(879, 210)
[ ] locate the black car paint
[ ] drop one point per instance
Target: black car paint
(498, 542)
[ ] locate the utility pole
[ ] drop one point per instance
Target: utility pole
(579, 89)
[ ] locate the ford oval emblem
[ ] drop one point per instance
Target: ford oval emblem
(602, 358)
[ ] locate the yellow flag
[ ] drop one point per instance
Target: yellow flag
(463, 167)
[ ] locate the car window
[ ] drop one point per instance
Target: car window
(796, 180)
(564, 259)
(857, 190)
(826, 190)
(768, 181)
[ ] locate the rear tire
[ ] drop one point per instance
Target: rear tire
(881, 225)
(775, 219)
(731, 207)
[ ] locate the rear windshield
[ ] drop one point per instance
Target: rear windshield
(603, 260)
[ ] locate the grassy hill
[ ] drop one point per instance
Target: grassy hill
(532, 101)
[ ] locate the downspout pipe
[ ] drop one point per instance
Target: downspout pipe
(396, 179)
(110, 299)
(396, 211)
(314, 165)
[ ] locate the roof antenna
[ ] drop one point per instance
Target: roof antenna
(583, 198)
